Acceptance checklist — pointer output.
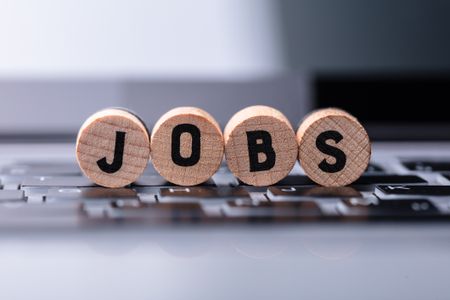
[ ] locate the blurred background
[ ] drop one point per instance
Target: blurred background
(62, 60)
(386, 61)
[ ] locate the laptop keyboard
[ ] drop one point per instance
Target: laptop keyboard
(51, 193)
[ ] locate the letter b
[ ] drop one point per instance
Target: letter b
(260, 145)
(260, 142)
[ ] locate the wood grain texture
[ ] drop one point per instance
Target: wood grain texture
(256, 118)
(355, 144)
(97, 139)
(211, 146)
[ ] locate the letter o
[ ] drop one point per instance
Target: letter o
(186, 146)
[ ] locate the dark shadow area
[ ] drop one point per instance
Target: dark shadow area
(392, 106)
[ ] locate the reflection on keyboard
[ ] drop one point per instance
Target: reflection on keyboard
(55, 194)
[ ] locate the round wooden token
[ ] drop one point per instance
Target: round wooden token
(187, 146)
(113, 147)
(334, 148)
(260, 145)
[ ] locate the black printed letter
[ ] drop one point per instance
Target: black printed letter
(118, 155)
(338, 154)
(265, 146)
(176, 140)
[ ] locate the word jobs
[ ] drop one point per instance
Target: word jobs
(186, 146)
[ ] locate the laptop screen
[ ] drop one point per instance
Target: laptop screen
(392, 106)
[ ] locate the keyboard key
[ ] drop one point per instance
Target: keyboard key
(89, 194)
(182, 194)
(126, 203)
(289, 181)
(296, 193)
(57, 181)
(147, 198)
(12, 179)
(11, 196)
(388, 208)
(388, 179)
(42, 169)
(247, 208)
(24, 215)
(157, 180)
(366, 182)
(35, 192)
(428, 166)
(159, 212)
(422, 190)
(11, 186)
(99, 208)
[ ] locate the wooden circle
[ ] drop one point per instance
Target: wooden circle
(344, 143)
(187, 146)
(113, 147)
(246, 133)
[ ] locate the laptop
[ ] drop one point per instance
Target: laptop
(405, 182)
(385, 234)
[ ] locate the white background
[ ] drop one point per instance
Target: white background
(123, 38)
